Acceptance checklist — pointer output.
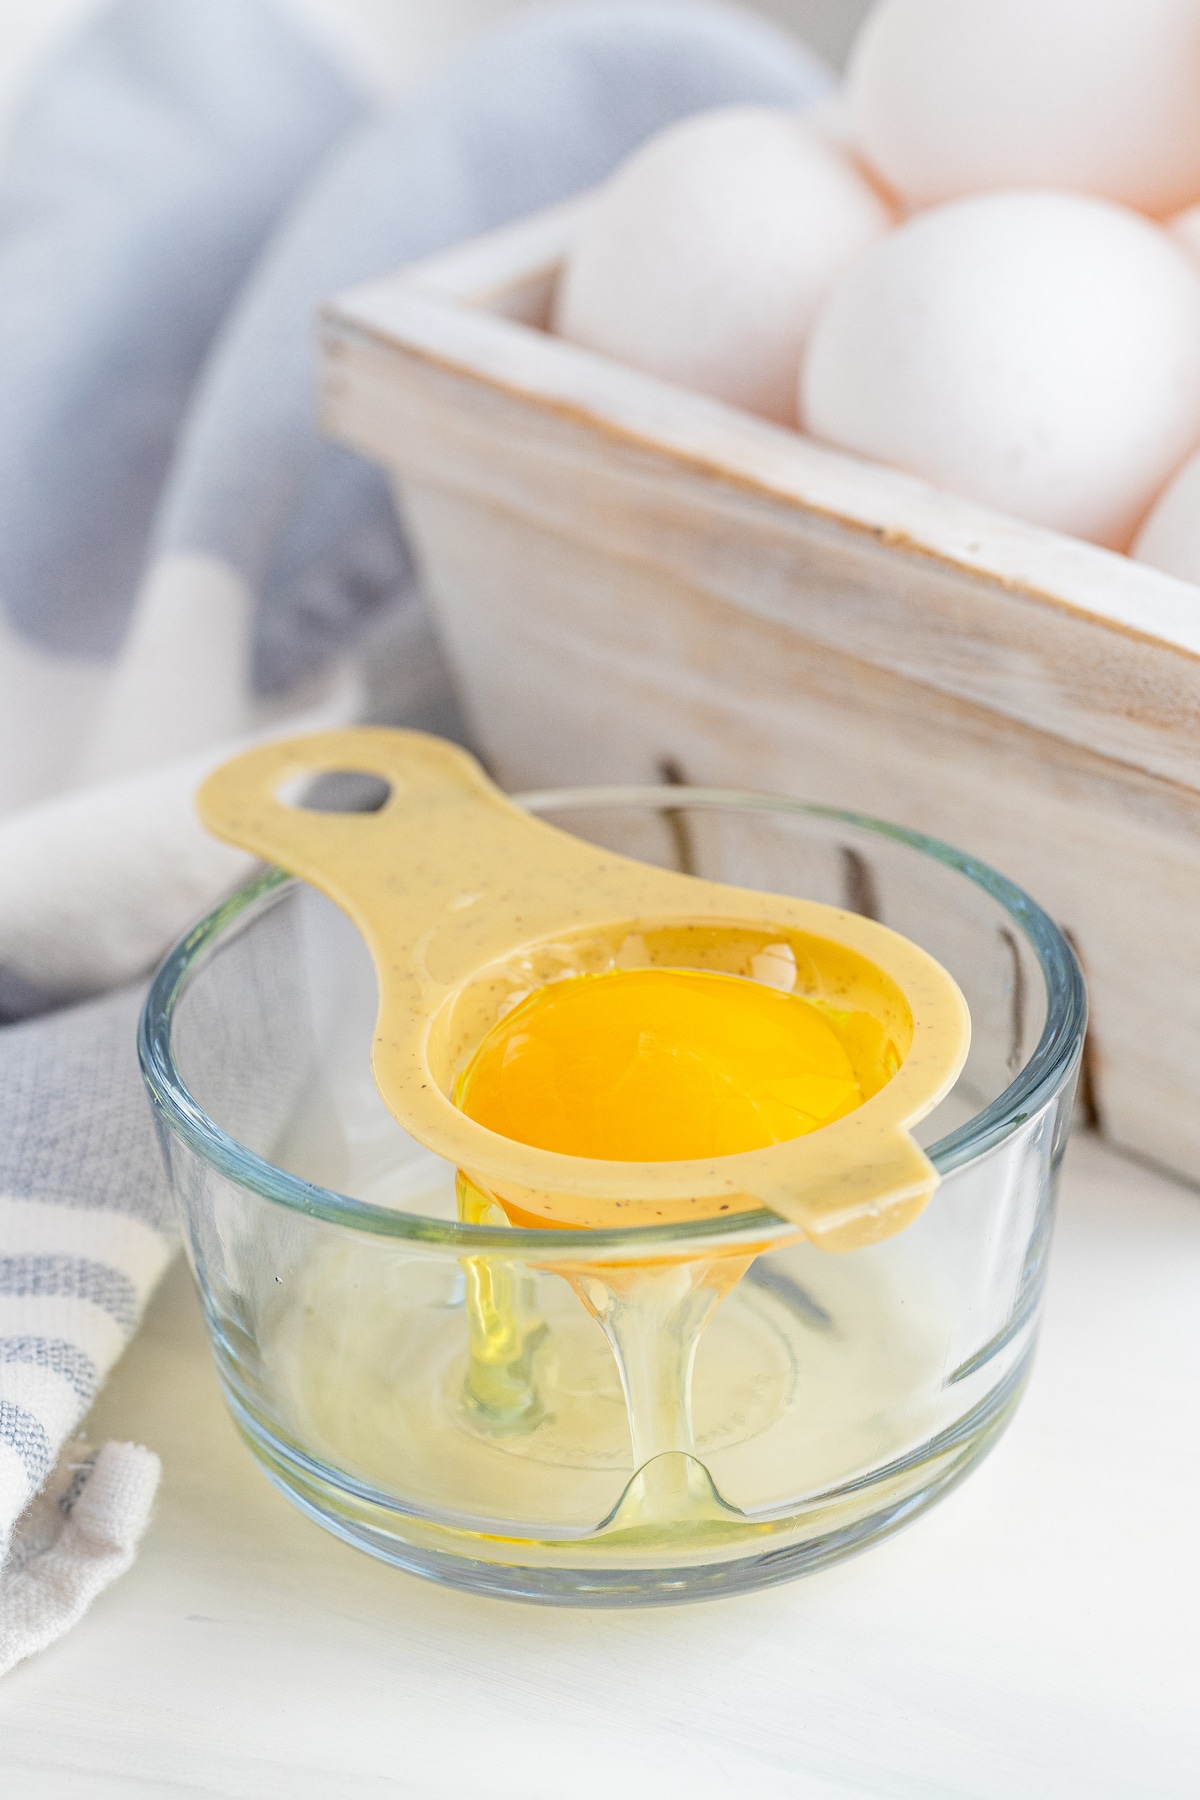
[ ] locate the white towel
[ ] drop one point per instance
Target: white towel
(182, 563)
(79, 1534)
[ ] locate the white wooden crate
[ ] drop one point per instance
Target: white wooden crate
(627, 575)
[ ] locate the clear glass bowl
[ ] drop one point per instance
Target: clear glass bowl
(446, 1396)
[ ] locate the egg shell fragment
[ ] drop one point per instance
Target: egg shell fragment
(1037, 352)
(704, 259)
(953, 97)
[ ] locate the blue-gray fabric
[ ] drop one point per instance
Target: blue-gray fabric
(74, 1125)
(532, 115)
(75, 1134)
(143, 178)
(141, 186)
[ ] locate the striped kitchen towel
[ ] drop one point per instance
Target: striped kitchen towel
(86, 1230)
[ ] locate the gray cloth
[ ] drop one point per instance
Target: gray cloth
(532, 115)
(86, 1227)
(143, 178)
(74, 1127)
(142, 185)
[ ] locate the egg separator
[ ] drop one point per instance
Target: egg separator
(463, 898)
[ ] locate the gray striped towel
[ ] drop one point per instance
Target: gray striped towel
(86, 1230)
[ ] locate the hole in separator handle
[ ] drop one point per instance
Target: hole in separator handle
(335, 791)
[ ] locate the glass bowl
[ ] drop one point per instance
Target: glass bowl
(457, 1398)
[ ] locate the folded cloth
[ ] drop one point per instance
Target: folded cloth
(267, 556)
(79, 1534)
(291, 544)
(85, 1231)
(142, 180)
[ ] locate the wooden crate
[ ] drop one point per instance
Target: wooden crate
(628, 576)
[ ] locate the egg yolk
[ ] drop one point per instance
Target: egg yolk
(658, 1065)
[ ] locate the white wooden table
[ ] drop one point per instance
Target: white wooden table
(1037, 1634)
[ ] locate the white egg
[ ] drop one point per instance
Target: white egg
(1038, 352)
(955, 97)
(705, 257)
(1170, 538)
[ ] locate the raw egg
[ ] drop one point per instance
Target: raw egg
(656, 1065)
(705, 257)
(1038, 352)
(953, 97)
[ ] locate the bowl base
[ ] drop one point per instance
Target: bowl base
(615, 1571)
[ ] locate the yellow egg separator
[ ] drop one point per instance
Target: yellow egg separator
(466, 903)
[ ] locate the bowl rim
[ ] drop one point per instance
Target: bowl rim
(1043, 1076)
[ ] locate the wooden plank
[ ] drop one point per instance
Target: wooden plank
(1058, 634)
(509, 272)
